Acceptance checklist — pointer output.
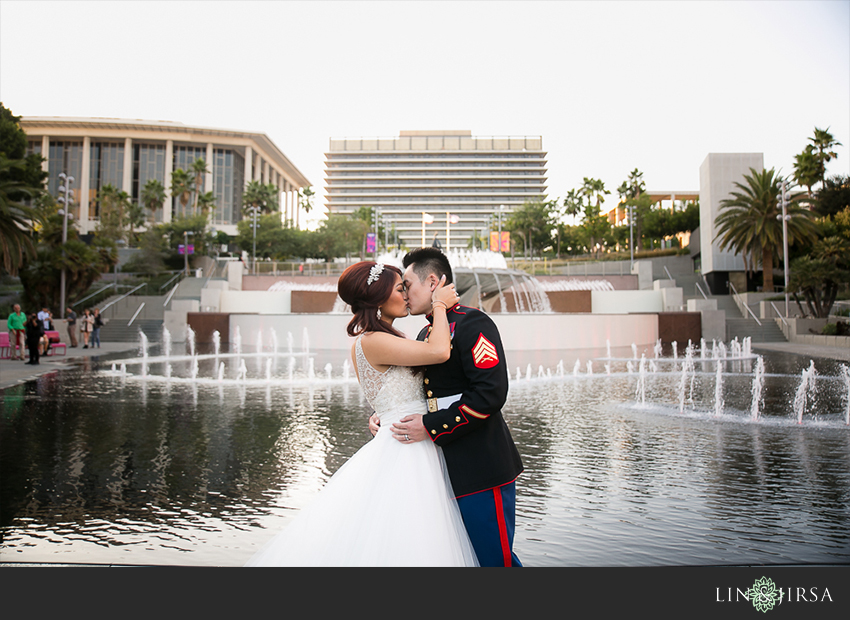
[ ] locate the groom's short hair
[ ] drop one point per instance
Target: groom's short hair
(428, 260)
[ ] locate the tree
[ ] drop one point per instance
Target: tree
(305, 199)
(199, 170)
(21, 181)
(16, 218)
(533, 221)
(114, 213)
(750, 223)
(631, 193)
(595, 224)
(823, 143)
(263, 197)
(153, 196)
(206, 203)
(834, 196)
(819, 276)
(339, 235)
(808, 169)
(182, 186)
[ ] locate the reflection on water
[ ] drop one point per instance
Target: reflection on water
(104, 468)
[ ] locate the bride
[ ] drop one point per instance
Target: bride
(391, 504)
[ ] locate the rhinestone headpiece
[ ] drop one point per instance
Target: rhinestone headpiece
(375, 273)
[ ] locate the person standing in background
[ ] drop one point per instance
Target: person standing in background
(96, 325)
(15, 324)
(71, 319)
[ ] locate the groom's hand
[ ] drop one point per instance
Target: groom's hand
(374, 424)
(410, 429)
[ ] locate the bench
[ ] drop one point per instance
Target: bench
(5, 347)
(55, 345)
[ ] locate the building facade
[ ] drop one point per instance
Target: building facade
(128, 153)
(448, 185)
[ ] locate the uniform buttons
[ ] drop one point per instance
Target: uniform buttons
(427, 381)
(457, 419)
(430, 393)
(433, 432)
(445, 425)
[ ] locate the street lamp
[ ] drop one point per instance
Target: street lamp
(501, 208)
(186, 234)
(254, 211)
(785, 217)
(631, 209)
(67, 201)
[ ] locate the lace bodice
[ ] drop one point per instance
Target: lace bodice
(387, 391)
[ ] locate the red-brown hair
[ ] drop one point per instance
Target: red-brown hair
(364, 298)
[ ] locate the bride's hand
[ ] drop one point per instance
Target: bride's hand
(445, 293)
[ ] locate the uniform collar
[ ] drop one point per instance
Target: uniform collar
(430, 315)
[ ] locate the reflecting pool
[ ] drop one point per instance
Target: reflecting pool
(629, 460)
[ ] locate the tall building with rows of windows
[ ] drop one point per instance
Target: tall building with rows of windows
(128, 153)
(422, 181)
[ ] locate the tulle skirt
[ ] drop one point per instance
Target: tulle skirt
(391, 504)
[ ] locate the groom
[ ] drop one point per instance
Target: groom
(465, 398)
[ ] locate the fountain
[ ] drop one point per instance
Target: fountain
(212, 446)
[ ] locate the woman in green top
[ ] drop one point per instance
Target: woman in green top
(15, 324)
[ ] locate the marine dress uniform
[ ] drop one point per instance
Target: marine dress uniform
(465, 398)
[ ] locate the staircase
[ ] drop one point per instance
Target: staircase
(148, 311)
(736, 326)
(117, 330)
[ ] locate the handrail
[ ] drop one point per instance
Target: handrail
(699, 288)
(784, 322)
(139, 309)
(127, 294)
(667, 271)
(98, 292)
(170, 295)
(741, 303)
(176, 275)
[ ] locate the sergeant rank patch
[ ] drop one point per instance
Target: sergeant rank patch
(484, 353)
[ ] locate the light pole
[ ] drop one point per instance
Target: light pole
(186, 234)
(67, 201)
(631, 236)
(501, 208)
(785, 217)
(254, 211)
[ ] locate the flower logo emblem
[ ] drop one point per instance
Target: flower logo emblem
(764, 594)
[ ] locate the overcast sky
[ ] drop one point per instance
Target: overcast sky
(610, 86)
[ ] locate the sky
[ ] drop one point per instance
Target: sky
(610, 86)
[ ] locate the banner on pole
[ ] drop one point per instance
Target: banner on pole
(371, 242)
(494, 241)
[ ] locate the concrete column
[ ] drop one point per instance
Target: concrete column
(249, 165)
(208, 177)
(127, 180)
(266, 174)
(258, 167)
(295, 209)
(169, 168)
(45, 152)
(83, 187)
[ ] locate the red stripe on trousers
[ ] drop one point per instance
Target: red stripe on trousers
(503, 528)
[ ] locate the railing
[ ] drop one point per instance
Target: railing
(124, 296)
(139, 309)
(170, 280)
(98, 292)
(741, 304)
(699, 288)
(667, 271)
(775, 309)
(170, 295)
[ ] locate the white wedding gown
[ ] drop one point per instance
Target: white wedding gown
(391, 504)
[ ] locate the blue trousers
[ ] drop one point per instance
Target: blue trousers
(490, 518)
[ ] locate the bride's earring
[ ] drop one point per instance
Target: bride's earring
(379, 314)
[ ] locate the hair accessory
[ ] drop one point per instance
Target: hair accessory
(375, 273)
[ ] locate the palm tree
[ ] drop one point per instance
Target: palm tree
(182, 186)
(114, 212)
(206, 203)
(750, 223)
(264, 197)
(199, 169)
(823, 143)
(153, 196)
(16, 218)
(808, 169)
(631, 195)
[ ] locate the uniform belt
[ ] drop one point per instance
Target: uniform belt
(435, 404)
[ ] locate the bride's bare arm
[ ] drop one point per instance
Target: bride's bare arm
(382, 349)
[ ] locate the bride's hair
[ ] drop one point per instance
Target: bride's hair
(364, 297)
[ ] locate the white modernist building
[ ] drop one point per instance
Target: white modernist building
(425, 184)
(128, 153)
